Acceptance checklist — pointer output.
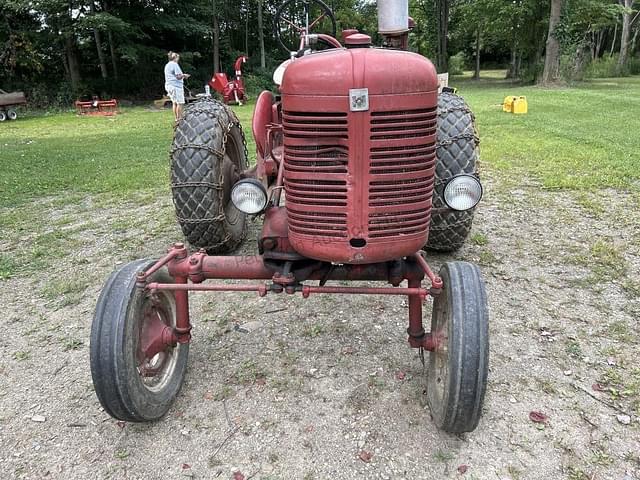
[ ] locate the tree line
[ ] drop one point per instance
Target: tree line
(58, 50)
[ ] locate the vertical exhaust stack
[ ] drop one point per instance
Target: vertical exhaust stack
(393, 17)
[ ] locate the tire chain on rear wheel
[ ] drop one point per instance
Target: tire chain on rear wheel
(204, 228)
(456, 153)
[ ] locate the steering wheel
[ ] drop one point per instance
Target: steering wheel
(297, 17)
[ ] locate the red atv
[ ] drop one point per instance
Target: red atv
(361, 164)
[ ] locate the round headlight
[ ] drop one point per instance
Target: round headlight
(463, 192)
(249, 196)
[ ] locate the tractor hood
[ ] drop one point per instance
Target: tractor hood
(381, 71)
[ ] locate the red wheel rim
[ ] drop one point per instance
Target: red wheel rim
(157, 313)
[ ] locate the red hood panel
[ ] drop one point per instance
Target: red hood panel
(382, 71)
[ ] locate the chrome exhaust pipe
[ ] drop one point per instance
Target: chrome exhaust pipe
(393, 17)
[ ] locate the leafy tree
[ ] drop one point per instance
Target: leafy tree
(626, 33)
(58, 50)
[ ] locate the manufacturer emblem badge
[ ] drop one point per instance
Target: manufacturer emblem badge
(359, 99)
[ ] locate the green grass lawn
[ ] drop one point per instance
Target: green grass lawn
(120, 155)
(575, 138)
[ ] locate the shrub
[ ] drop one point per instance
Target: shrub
(531, 72)
(457, 64)
(606, 67)
(257, 81)
(634, 66)
(603, 67)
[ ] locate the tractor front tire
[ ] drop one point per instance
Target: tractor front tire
(457, 153)
(458, 367)
(130, 386)
(208, 154)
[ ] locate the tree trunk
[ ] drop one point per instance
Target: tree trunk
(519, 65)
(112, 50)
(246, 31)
(112, 46)
(632, 48)
(442, 15)
(97, 36)
(513, 66)
(101, 57)
(615, 36)
(263, 57)
(624, 38)
(476, 74)
(598, 47)
(551, 72)
(579, 60)
(65, 65)
(71, 52)
(216, 40)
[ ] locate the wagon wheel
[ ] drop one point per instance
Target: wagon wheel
(208, 154)
(457, 370)
(133, 381)
(3, 116)
(12, 114)
(293, 16)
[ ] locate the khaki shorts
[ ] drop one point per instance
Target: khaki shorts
(176, 94)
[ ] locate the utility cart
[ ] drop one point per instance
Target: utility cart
(8, 104)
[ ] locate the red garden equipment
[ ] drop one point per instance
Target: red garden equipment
(106, 108)
(232, 91)
(361, 165)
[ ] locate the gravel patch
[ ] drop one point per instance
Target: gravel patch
(287, 388)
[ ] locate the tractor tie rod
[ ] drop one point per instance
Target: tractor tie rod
(306, 290)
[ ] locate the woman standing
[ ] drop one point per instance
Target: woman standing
(174, 83)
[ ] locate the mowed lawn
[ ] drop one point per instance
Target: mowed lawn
(573, 138)
(64, 153)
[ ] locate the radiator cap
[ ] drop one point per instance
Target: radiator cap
(358, 40)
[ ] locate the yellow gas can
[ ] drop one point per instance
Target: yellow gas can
(507, 106)
(520, 106)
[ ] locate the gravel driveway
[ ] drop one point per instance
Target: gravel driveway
(327, 388)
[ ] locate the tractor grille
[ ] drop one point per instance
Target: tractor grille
(396, 166)
(316, 157)
(403, 155)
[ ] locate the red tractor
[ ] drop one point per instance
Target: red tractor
(361, 165)
(231, 91)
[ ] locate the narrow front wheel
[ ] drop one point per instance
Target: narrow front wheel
(458, 367)
(131, 383)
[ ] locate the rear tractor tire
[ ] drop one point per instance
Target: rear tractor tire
(130, 386)
(457, 153)
(458, 367)
(209, 152)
